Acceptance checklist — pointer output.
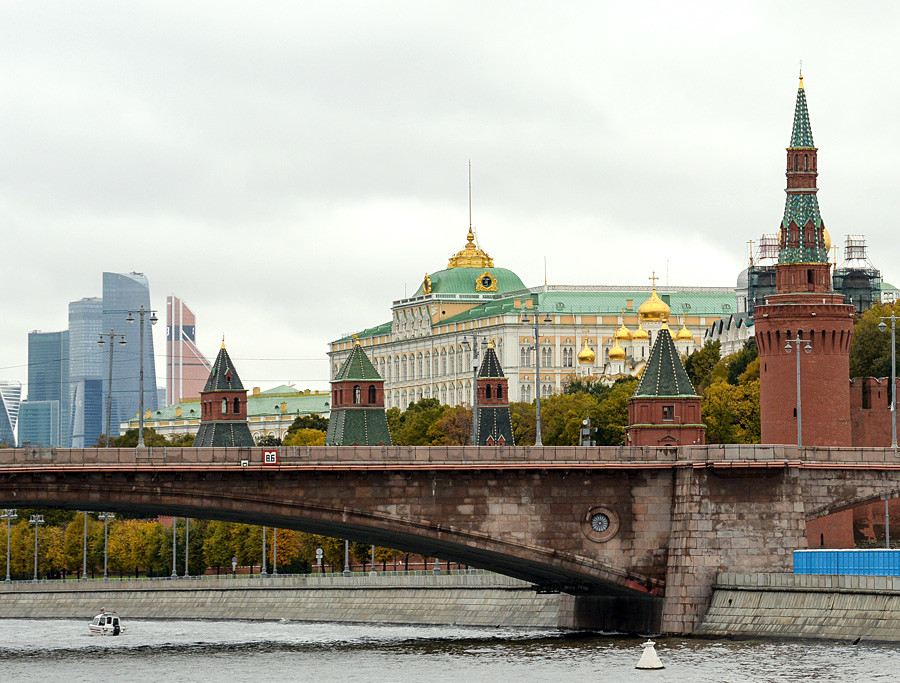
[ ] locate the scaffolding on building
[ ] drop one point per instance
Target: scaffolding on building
(857, 278)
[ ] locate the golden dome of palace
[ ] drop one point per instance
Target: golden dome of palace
(684, 334)
(470, 256)
(654, 308)
(623, 333)
(586, 355)
(640, 333)
(617, 352)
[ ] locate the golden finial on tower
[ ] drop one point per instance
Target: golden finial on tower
(801, 74)
(355, 340)
(223, 341)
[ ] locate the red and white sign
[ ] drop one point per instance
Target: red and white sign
(270, 456)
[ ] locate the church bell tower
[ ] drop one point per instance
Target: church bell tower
(804, 308)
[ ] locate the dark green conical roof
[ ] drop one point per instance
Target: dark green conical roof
(223, 376)
(357, 368)
(490, 366)
(801, 135)
(664, 374)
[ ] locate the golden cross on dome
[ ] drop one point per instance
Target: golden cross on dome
(653, 279)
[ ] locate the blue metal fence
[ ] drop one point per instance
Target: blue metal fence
(853, 562)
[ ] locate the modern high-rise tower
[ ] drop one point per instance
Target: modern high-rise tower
(804, 307)
(124, 292)
(10, 398)
(48, 385)
(186, 368)
(86, 372)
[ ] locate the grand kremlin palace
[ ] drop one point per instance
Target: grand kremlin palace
(424, 351)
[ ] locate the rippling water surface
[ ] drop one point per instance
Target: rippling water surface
(62, 650)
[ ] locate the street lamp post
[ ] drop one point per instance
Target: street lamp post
(474, 346)
(130, 320)
(537, 373)
(263, 573)
(807, 349)
(187, 539)
(9, 514)
(105, 516)
(112, 336)
(174, 527)
(881, 326)
(36, 520)
(84, 576)
(274, 551)
(346, 571)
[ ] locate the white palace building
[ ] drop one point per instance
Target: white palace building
(425, 350)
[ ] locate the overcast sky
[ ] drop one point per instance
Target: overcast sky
(291, 168)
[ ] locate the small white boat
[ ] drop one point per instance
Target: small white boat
(106, 624)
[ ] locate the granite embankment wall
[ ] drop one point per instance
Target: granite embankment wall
(804, 606)
(465, 600)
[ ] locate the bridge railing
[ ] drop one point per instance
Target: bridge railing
(450, 456)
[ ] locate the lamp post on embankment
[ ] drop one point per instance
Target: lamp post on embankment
(9, 514)
(807, 349)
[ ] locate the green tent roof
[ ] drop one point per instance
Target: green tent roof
(801, 133)
(357, 367)
(664, 374)
(223, 376)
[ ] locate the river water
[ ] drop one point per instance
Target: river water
(63, 650)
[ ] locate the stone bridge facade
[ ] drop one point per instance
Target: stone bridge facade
(674, 518)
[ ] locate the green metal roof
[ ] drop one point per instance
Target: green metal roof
(377, 331)
(357, 368)
(603, 303)
(664, 374)
(267, 402)
(490, 366)
(465, 280)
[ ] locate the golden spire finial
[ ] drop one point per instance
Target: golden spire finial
(491, 343)
(355, 340)
(223, 341)
(801, 74)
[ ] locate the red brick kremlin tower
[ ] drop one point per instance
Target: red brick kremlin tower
(223, 402)
(804, 305)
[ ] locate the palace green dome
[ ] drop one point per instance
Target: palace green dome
(471, 281)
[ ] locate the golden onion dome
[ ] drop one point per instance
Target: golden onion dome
(684, 334)
(471, 256)
(654, 308)
(617, 352)
(640, 333)
(586, 355)
(623, 333)
(827, 238)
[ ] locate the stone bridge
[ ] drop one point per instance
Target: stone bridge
(665, 521)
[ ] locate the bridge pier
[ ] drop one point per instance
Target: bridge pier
(632, 614)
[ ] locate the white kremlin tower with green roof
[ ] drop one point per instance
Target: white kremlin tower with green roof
(425, 350)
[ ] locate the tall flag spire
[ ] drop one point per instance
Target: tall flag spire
(801, 135)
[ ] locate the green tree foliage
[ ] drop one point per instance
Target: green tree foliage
(268, 440)
(610, 418)
(731, 410)
(130, 438)
(411, 427)
(304, 437)
(309, 422)
(870, 351)
(700, 364)
(453, 429)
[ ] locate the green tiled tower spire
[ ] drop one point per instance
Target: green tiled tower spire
(802, 228)
(664, 374)
(357, 404)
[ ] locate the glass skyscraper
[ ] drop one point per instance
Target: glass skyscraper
(86, 372)
(124, 292)
(10, 398)
(48, 383)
